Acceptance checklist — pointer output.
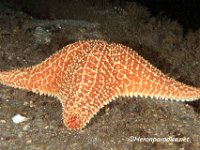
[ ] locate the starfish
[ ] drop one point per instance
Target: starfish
(87, 75)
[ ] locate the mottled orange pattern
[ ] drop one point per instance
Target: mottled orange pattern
(87, 75)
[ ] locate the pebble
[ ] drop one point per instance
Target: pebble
(19, 119)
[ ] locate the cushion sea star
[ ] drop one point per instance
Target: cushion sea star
(87, 75)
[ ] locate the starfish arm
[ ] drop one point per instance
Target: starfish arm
(43, 78)
(32, 79)
(77, 115)
(77, 111)
(140, 78)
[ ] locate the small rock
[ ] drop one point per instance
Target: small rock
(19, 119)
(2, 121)
(26, 127)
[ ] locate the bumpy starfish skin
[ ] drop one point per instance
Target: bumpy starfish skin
(87, 75)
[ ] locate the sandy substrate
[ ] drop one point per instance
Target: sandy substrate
(25, 41)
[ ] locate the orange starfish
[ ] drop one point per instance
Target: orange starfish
(87, 75)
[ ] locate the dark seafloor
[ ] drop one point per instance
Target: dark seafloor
(30, 31)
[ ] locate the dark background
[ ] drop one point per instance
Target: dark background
(185, 12)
